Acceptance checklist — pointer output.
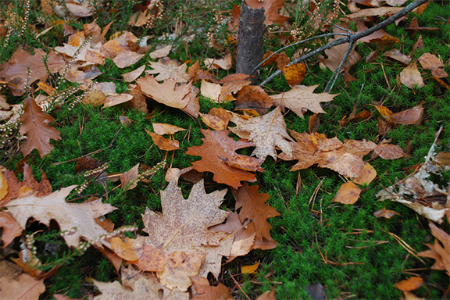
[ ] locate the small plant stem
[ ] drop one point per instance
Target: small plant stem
(238, 285)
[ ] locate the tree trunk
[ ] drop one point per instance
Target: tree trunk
(250, 41)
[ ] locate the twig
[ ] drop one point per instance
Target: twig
(238, 285)
(353, 38)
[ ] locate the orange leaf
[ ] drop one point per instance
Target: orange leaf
(166, 93)
(294, 73)
(368, 174)
(348, 193)
(11, 229)
(163, 143)
(151, 260)
(385, 213)
(128, 249)
(410, 284)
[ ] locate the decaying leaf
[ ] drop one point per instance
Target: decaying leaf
(253, 206)
(151, 259)
(224, 63)
(431, 62)
(133, 75)
(54, 207)
(348, 193)
(254, 98)
(143, 289)
(126, 248)
(163, 143)
(207, 292)
(410, 284)
(27, 287)
(300, 97)
(11, 229)
(169, 70)
(219, 157)
(294, 73)
(410, 76)
(265, 132)
(385, 213)
(128, 177)
(419, 186)
(440, 250)
(179, 266)
(183, 224)
(35, 124)
(163, 129)
(210, 90)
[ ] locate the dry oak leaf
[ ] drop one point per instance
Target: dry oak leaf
(117, 99)
(183, 224)
(219, 157)
(143, 290)
(27, 287)
(28, 186)
(213, 258)
(166, 93)
(253, 206)
(374, 12)
(217, 118)
(11, 229)
(224, 63)
(126, 248)
(210, 90)
(233, 83)
(440, 250)
(67, 215)
(163, 143)
(161, 52)
(265, 132)
(348, 193)
(255, 98)
(179, 266)
(410, 76)
(17, 67)
(207, 292)
(300, 97)
(35, 126)
(196, 73)
(171, 70)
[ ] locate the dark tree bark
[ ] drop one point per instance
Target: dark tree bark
(250, 41)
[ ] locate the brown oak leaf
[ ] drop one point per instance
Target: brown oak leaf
(27, 287)
(54, 207)
(301, 97)
(265, 132)
(440, 250)
(254, 207)
(169, 69)
(29, 185)
(11, 229)
(219, 157)
(207, 292)
(184, 224)
(143, 289)
(35, 126)
(16, 68)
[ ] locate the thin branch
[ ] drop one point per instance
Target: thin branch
(353, 38)
(333, 78)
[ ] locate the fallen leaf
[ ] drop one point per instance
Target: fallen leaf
(299, 98)
(271, 8)
(143, 289)
(395, 2)
(94, 97)
(431, 62)
(3, 185)
(161, 52)
(410, 284)
(207, 292)
(348, 193)
(126, 248)
(255, 98)
(11, 229)
(386, 151)
(396, 55)
(163, 143)
(166, 93)
(17, 66)
(265, 132)
(375, 12)
(151, 259)
(139, 101)
(219, 157)
(171, 70)
(224, 63)
(249, 269)
(183, 224)
(294, 73)
(410, 116)
(210, 90)
(268, 295)
(253, 207)
(414, 26)
(410, 76)
(27, 287)
(385, 213)
(133, 75)
(129, 177)
(127, 58)
(54, 207)
(368, 174)
(112, 48)
(440, 250)
(114, 100)
(233, 83)
(163, 129)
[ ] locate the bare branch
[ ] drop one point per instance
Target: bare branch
(352, 39)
